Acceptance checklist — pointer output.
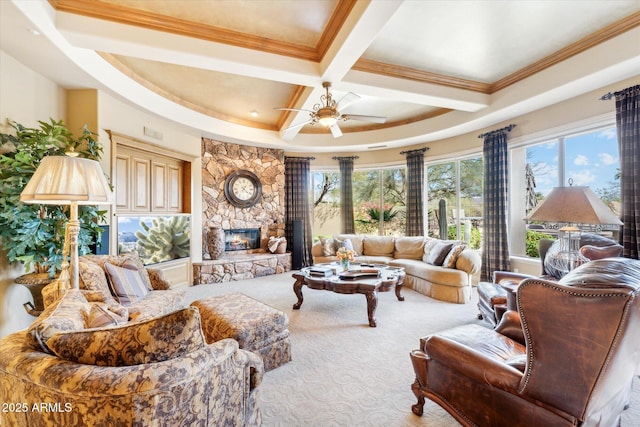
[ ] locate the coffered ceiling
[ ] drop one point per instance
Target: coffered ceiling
(433, 68)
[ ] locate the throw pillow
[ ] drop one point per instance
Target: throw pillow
(162, 338)
(159, 281)
(429, 244)
(66, 314)
(119, 260)
(93, 278)
(343, 243)
(439, 253)
(327, 246)
(100, 316)
(126, 283)
(452, 257)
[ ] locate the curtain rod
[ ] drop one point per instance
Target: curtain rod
(504, 129)
(298, 158)
(417, 150)
(346, 158)
(607, 96)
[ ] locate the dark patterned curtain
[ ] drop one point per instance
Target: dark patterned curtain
(628, 125)
(495, 248)
(297, 206)
(346, 193)
(415, 186)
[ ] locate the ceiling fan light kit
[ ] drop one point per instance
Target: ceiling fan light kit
(327, 112)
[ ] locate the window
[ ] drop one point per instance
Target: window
(454, 194)
(581, 159)
(378, 201)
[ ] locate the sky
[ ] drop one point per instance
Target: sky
(591, 160)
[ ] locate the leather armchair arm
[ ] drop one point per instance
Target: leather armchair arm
(511, 326)
(501, 276)
(473, 364)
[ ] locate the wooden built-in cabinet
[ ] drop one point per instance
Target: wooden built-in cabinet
(149, 179)
(148, 182)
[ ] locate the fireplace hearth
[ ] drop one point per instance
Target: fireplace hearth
(241, 239)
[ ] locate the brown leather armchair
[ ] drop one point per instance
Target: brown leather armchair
(493, 299)
(580, 352)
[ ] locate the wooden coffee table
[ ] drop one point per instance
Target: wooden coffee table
(369, 281)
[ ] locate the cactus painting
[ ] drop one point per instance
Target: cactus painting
(155, 239)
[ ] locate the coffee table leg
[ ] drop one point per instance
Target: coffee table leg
(399, 286)
(297, 289)
(372, 304)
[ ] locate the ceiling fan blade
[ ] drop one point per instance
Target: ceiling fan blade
(292, 109)
(335, 130)
(371, 119)
(347, 100)
(299, 125)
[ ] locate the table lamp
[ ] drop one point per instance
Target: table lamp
(68, 180)
(573, 206)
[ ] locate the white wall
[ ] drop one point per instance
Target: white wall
(25, 97)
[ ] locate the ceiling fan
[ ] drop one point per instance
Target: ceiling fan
(328, 112)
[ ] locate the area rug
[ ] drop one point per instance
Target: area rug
(345, 373)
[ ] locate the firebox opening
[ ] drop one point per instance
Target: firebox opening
(241, 239)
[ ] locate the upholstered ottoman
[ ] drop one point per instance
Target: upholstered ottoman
(256, 326)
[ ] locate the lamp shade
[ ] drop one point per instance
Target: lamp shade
(575, 205)
(61, 180)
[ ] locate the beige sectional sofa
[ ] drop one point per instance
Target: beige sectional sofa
(88, 360)
(431, 269)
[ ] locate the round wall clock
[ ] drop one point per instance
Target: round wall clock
(242, 188)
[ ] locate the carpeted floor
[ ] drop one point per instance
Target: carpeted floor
(345, 373)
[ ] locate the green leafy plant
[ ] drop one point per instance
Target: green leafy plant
(532, 242)
(34, 234)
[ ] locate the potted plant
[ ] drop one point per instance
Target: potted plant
(34, 234)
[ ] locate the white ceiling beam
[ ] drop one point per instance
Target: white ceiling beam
(421, 93)
(119, 39)
(360, 29)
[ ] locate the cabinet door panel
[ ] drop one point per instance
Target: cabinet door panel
(122, 182)
(158, 186)
(141, 185)
(174, 187)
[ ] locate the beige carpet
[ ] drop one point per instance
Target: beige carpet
(343, 372)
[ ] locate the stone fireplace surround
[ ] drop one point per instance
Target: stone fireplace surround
(219, 159)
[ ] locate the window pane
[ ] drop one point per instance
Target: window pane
(471, 187)
(441, 185)
(366, 201)
(592, 160)
(326, 203)
(394, 183)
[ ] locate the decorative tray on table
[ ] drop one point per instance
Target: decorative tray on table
(365, 273)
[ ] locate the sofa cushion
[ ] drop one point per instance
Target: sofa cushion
(409, 247)
(157, 303)
(439, 253)
(378, 246)
(69, 313)
(126, 283)
(155, 340)
(452, 257)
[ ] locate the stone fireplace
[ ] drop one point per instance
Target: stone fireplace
(241, 239)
